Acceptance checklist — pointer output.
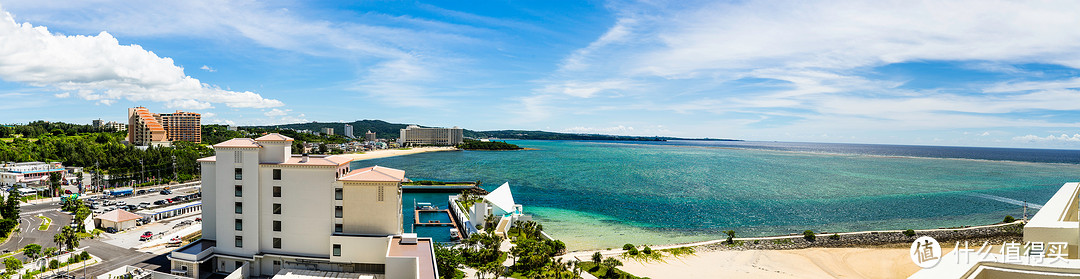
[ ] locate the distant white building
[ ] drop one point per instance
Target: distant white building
(28, 172)
(348, 131)
(328, 131)
(266, 210)
(415, 135)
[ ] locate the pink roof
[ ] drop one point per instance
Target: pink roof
(118, 215)
(238, 142)
(375, 174)
(208, 159)
(273, 137)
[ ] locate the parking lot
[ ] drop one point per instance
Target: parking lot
(150, 196)
(162, 231)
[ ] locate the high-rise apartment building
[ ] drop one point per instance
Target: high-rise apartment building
(146, 128)
(328, 131)
(98, 123)
(369, 136)
(267, 211)
(182, 126)
(415, 135)
(348, 131)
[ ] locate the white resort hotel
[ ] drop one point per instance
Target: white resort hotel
(269, 213)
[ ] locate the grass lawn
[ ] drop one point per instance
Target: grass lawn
(45, 222)
(600, 271)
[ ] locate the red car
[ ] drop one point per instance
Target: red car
(146, 236)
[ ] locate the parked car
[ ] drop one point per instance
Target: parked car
(159, 202)
(67, 192)
(140, 192)
(110, 230)
(121, 203)
(166, 192)
(144, 204)
(146, 236)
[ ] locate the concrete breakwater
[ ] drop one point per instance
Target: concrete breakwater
(975, 236)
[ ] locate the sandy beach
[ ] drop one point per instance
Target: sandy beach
(394, 152)
(798, 263)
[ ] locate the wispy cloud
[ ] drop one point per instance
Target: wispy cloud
(208, 69)
(820, 59)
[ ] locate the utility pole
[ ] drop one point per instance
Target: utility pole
(174, 173)
(142, 177)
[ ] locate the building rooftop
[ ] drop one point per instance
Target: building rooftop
(238, 143)
(273, 137)
(318, 160)
(118, 215)
(375, 174)
(287, 273)
(502, 198)
(422, 250)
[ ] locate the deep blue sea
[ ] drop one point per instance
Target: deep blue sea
(604, 194)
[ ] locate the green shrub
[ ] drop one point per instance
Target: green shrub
(646, 250)
(755, 241)
(809, 235)
(834, 237)
(84, 255)
(1009, 219)
(632, 251)
(909, 232)
(627, 247)
(54, 264)
(73, 259)
(596, 257)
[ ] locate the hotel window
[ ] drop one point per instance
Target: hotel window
(338, 193)
(238, 157)
(339, 228)
(239, 224)
(337, 211)
(277, 243)
(381, 193)
(239, 191)
(239, 208)
(277, 191)
(337, 250)
(277, 226)
(277, 174)
(277, 208)
(239, 241)
(238, 173)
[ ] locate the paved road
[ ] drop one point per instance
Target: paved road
(112, 256)
(29, 233)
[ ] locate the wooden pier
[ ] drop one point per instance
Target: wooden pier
(416, 218)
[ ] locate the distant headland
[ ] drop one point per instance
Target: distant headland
(390, 130)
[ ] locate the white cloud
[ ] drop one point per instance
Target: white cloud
(207, 68)
(99, 68)
(1051, 138)
(616, 130)
(277, 112)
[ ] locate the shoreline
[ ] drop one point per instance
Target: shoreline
(860, 239)
(865, 254)
(394, 152)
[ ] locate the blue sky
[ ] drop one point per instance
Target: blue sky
(978, 73)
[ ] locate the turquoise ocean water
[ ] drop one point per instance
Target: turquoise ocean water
(604, 194)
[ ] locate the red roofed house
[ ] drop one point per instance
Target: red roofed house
(117, 219)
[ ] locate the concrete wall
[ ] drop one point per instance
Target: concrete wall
(360, 249)
(365, 214)
(226, 199)
(210, 205)
(306, 209)
(402, 268)
(1057, 220)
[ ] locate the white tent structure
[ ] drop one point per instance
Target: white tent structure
(501, 199)
(498, 203)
